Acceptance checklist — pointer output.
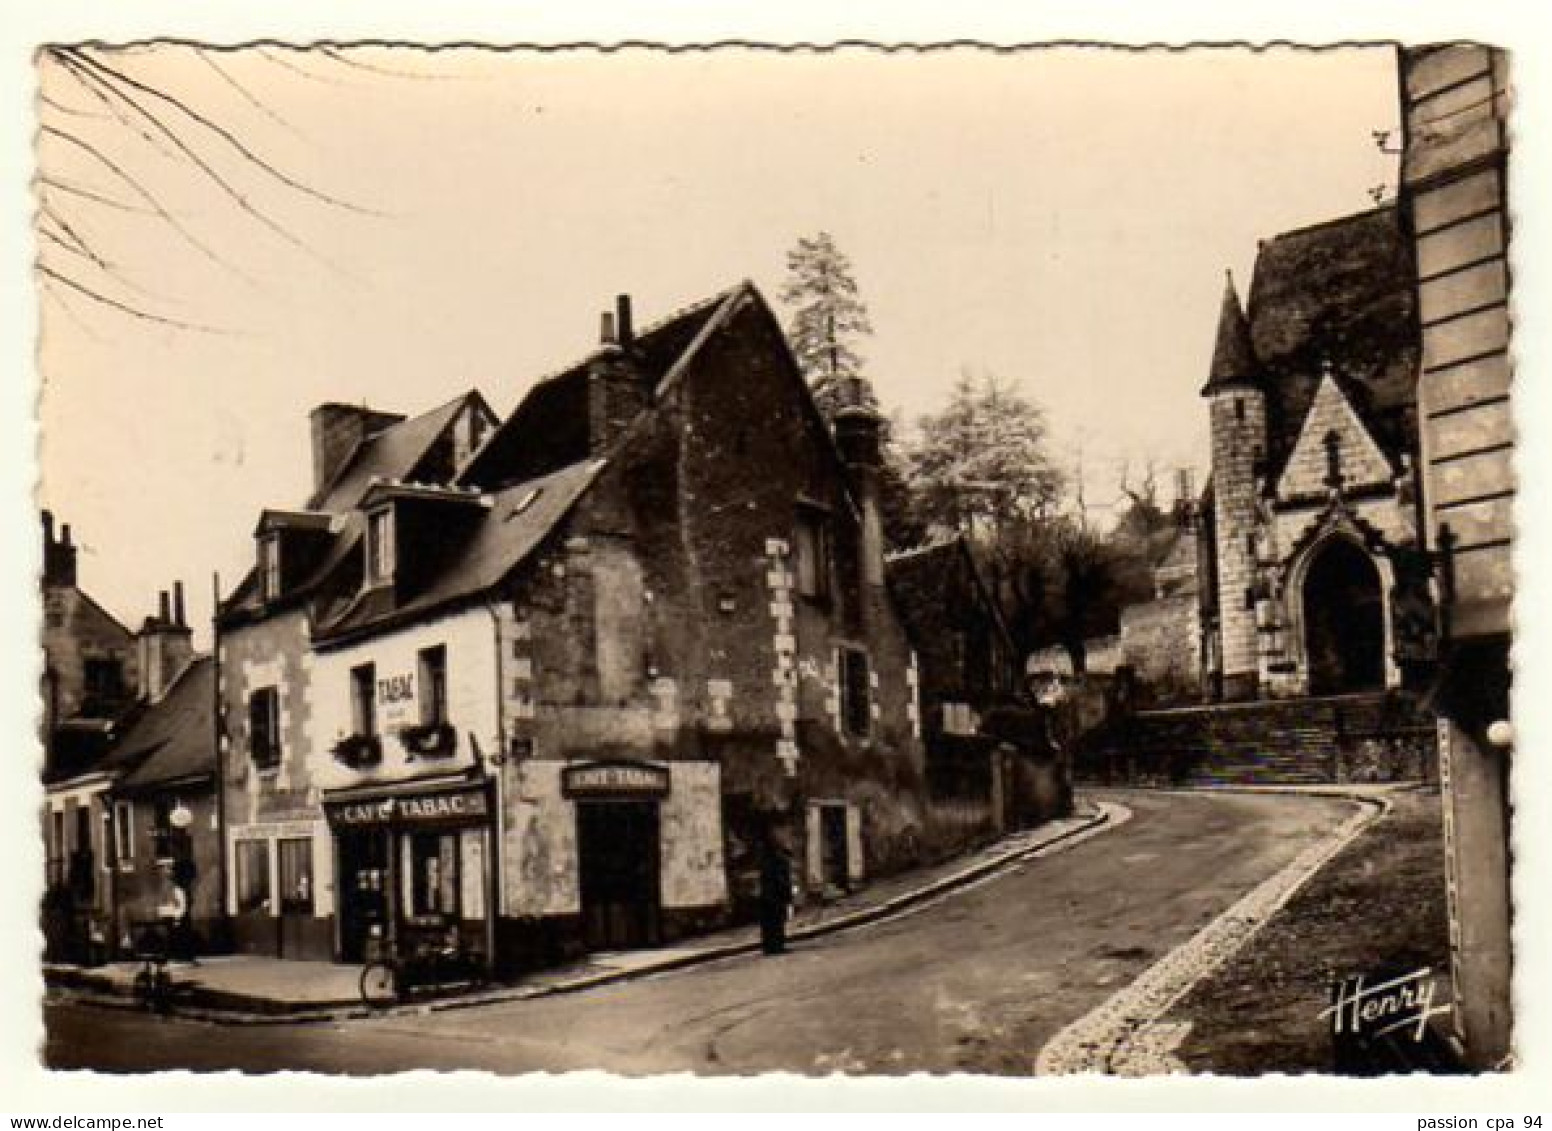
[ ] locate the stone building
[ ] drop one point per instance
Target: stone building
(90, 662)
(1454, 202)
(164, 822)
(88, 829)
(554, 690)
(1311, 392)
(1312, 601)
(968, 668)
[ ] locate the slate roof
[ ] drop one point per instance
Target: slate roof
(926, 573)
(548, 428)
(1345, 292)
(1233, 358)
(390, 454)
(173, 740)
(518, 520)
(526, 478)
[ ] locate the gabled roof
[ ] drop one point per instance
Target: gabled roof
(316, 522)
(526, 478)
(392, 453)
(1363, 462)
(519, 518)
(1341, 293)
(928, 569)
(387, 456)
(548, 428)
(1234, 358)
(173, 740)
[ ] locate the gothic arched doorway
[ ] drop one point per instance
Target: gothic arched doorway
(1344, 621)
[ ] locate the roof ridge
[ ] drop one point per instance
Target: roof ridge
(652, 328)
(317, 497)
(1333, 221)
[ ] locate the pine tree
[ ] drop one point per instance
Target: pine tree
(828, 318)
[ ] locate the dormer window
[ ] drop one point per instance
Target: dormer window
(269, 566)
(379, 546)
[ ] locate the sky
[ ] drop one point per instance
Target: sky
(432, 222)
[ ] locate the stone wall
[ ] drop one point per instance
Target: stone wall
(1161, 641)
(77, 629)
(1238, 445)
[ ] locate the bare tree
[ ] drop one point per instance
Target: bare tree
(112, 137)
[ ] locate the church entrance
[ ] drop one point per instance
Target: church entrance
(1344, 621)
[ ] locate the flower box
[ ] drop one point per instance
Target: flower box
(359, 751)
(429, 740)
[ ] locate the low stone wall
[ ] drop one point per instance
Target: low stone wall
(1360, 738)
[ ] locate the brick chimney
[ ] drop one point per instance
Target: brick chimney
(337, 430)
(164, 645)
(616, 389)
(859, 430)
(58, 554)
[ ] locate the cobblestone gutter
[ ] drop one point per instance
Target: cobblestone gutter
(1123, 1036)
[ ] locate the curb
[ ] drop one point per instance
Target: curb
(1107, 814)
(1121, 1036)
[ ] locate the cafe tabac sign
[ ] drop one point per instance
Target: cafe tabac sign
(618, 780)
(444, 807)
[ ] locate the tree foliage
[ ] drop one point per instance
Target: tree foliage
(828, 320)
(981, 465)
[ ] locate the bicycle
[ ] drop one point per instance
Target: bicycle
(391, 979)
(153, 984)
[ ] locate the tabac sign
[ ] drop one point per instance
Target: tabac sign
(443, 808)
(614, 779)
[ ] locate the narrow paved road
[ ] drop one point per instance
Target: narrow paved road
(978, 981)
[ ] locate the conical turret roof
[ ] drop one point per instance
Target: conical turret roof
(1234, 358)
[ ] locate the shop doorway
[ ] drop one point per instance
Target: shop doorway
(365, 884)
(1344, 621)
(298, 927)
(618, 851)
(832, 848)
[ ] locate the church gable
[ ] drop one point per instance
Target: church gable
(1333, 439)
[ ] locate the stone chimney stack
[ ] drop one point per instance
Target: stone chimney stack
(616, 387)
(164, 646)
(859, 430)
(337, 430)
(58, 554)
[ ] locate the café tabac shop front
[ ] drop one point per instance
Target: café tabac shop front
(415, 863)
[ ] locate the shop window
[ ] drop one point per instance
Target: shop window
(363, 700)
(856, 692)
(379, 546)
(269, 566)
(433, 686)
(433, 875)
(294, 855)
(264, 727)
(124, 832)
(811, 554)
(252, 875)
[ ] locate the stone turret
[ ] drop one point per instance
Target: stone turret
(1239, 437)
